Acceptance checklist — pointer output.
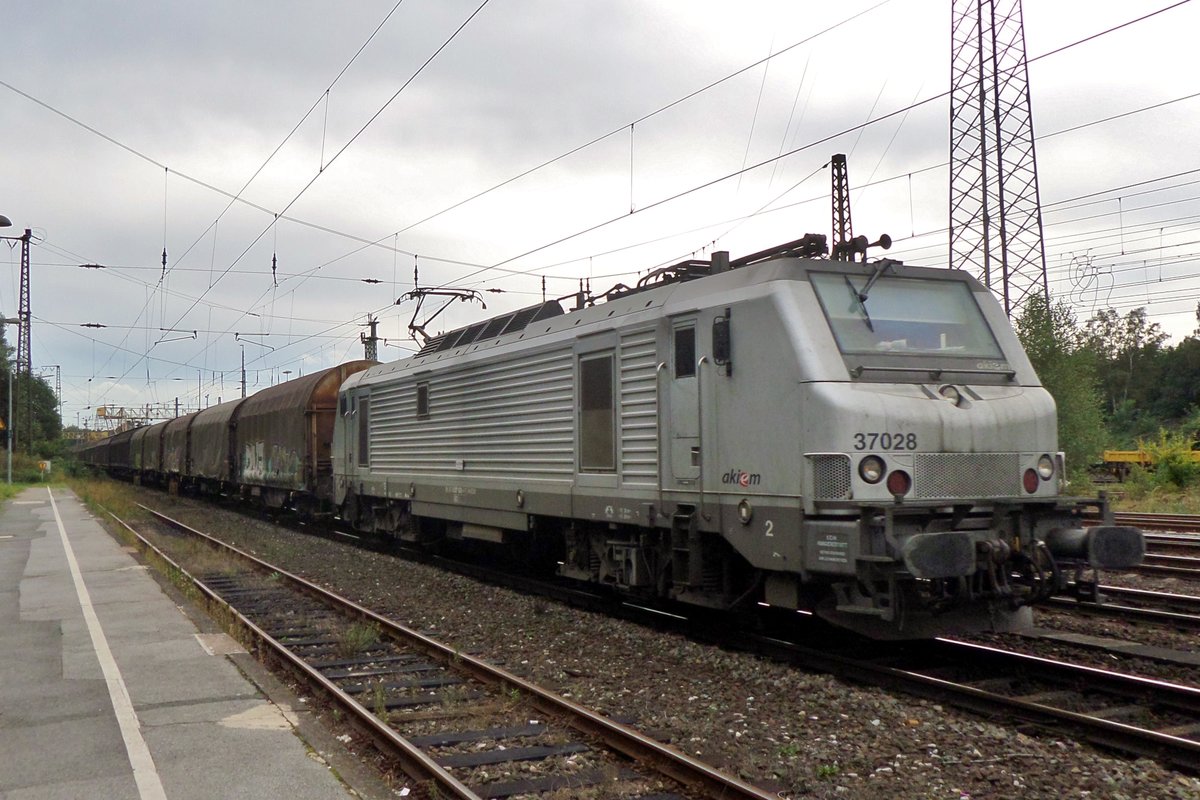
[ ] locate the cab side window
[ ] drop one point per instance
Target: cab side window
(597, 427)
(685, 352)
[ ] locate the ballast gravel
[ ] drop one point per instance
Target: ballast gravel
(796, 733)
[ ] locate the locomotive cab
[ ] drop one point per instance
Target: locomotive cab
(933, 482)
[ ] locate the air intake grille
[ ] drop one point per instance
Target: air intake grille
(966, 475)
(831, 477)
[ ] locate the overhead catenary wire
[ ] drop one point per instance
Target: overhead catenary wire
(901, 111)
(236, 197)
(349, 143)
(334, 158)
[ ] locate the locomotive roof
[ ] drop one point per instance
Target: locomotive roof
(491, 328)
(515, 321)
(671, 290)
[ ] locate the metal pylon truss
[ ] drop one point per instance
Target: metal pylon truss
(995, 209)
(843, 226)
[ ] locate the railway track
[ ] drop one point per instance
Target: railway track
(1177, 566)
(413, 696)
(1160, 522)
(1183, 542)
(1172, 543)
(1132, 714)
(1179, 611)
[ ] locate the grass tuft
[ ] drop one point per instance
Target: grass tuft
(358, 638)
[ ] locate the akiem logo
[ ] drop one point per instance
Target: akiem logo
(737, 477)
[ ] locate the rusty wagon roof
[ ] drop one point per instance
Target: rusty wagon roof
(301, 394)
(219, 414)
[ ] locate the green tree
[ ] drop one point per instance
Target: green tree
(1176, 387)
(1068, 371)
(1127, 350)
(34, 394)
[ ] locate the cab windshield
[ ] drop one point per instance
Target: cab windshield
(904, 316)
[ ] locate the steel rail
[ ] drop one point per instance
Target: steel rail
(1163, 522)
(1188, 617)
(1183, 566)
(668, 761)
(1188, 600)
(1177, 750)
(1185, 541)
(415, 763)
(1157, 616)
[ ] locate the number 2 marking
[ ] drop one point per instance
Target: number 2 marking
(770, 528)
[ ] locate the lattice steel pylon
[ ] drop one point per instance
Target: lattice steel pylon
(843, 226)
(24, 359)
(995, 209)
(24, 364)
(370, 343)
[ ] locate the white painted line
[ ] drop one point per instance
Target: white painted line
(144, 772)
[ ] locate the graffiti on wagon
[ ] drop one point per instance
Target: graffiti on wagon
(272, 464)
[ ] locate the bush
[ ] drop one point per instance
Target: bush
(25, 468)
(1171, 455)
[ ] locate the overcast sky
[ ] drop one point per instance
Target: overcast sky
(129, 127)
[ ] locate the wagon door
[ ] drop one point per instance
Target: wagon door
(682, 427)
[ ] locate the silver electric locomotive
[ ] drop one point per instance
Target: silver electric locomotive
(863, 440)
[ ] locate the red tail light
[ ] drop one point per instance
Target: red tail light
(899, 482)
(1030, 480)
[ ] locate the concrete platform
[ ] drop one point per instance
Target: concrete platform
(106, 689)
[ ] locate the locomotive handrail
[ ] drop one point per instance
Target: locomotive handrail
(934, 374)
(658, 371)
(700, 431)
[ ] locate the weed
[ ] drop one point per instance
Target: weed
(826, 771)
(358, 638)
(101, 494)
(453, 696)
(379, 701)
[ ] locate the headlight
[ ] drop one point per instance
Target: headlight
(871, 469)
(1045, 467)
(745, 512)
(951, 393)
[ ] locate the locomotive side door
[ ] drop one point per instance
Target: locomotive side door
(683, 425)
(353, 411)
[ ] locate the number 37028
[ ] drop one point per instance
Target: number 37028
(872, 440)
